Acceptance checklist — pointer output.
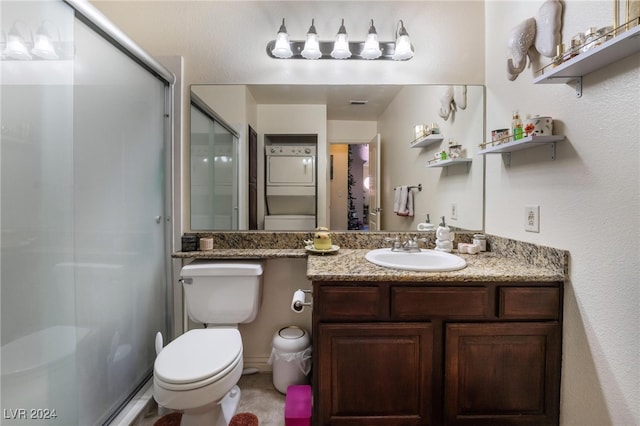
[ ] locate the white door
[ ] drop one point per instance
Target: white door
(375, 207)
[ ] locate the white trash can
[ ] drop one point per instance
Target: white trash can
(290, 357)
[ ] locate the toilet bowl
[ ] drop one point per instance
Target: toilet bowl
(197, 373)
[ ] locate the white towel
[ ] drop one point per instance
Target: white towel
(403, 201)
(396, 199)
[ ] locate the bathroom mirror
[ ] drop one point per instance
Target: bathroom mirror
(346, 119)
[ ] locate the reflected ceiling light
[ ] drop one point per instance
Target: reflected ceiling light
(403, 45)
(282, 48)
(16, 45)
(371, 45)
(43, 44)
(341, 45)
(311, 45)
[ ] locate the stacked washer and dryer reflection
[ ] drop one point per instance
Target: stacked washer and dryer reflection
(290, 187)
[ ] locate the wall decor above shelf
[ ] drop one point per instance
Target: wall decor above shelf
(449, 162)
(571, 70)
(427, 140)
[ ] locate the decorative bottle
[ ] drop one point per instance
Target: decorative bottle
(516, 126)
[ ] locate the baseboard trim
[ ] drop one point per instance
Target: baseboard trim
(259, 362)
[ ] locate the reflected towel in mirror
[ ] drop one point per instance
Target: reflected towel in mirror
(403, 201)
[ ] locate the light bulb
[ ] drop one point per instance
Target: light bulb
(43, 45)
(341, 45)
(282, 49)
(312, 45)
(371, 45)
(403, 45)
(16, 46)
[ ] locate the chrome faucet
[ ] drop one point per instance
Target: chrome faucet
(396, 243)
(410, 245)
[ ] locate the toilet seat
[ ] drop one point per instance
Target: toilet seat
(197, 358)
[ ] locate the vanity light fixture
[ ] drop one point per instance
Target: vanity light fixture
(311, 45)
(43, 46)
(16, 45)
(403, 44)
(371, 45)
(282, 48)
(341, 47)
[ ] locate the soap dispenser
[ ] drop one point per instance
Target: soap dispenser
(426, 226)
(444, 238)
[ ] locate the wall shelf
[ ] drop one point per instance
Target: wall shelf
(572, 70)
(427, 140)
(449, 162)
(524, 143)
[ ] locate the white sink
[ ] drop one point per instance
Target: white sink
(425, 260)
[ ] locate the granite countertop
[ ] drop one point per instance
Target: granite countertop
(351, 265)
(506, 261)
(242, 253)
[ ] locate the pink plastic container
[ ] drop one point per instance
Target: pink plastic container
(297, 406)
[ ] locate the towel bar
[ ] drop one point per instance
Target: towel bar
(418, 186)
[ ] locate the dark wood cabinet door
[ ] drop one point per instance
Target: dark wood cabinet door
(502, 374)
(374, 374)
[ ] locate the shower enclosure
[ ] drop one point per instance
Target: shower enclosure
(85, 141)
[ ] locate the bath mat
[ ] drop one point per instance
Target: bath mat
(244, 419)
(241, 419)
(171, 419)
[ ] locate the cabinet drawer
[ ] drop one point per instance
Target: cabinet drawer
(529, 303)
(345, 303)
(439, 302)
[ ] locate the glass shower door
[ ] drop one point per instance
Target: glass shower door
(82, 173)
(214, 174)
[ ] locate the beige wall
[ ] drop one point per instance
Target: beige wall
(281, 278)
(403, 165)
(589, 196)
(589, 205)
(225, 41)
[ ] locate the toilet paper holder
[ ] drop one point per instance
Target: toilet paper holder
(299, 300)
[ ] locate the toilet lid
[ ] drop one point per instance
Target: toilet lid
(198, 355)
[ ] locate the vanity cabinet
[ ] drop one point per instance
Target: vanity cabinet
(430, 353)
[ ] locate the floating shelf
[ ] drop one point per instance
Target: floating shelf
(449, 162)
(427, 140)
(524, 143)
(572, 70)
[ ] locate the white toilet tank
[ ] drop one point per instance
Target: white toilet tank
(222, 292)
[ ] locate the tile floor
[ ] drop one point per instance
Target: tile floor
(258, 397)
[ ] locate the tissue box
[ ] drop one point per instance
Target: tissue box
(297, 406)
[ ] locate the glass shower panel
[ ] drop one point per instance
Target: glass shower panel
(82, 261)
(214, 174)
(38, 333)
(118, 211)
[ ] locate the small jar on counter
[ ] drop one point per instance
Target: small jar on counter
(480, 240)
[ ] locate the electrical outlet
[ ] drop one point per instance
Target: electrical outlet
(532, 218)
(454, 211)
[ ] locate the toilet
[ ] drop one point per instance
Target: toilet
(197, 373)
